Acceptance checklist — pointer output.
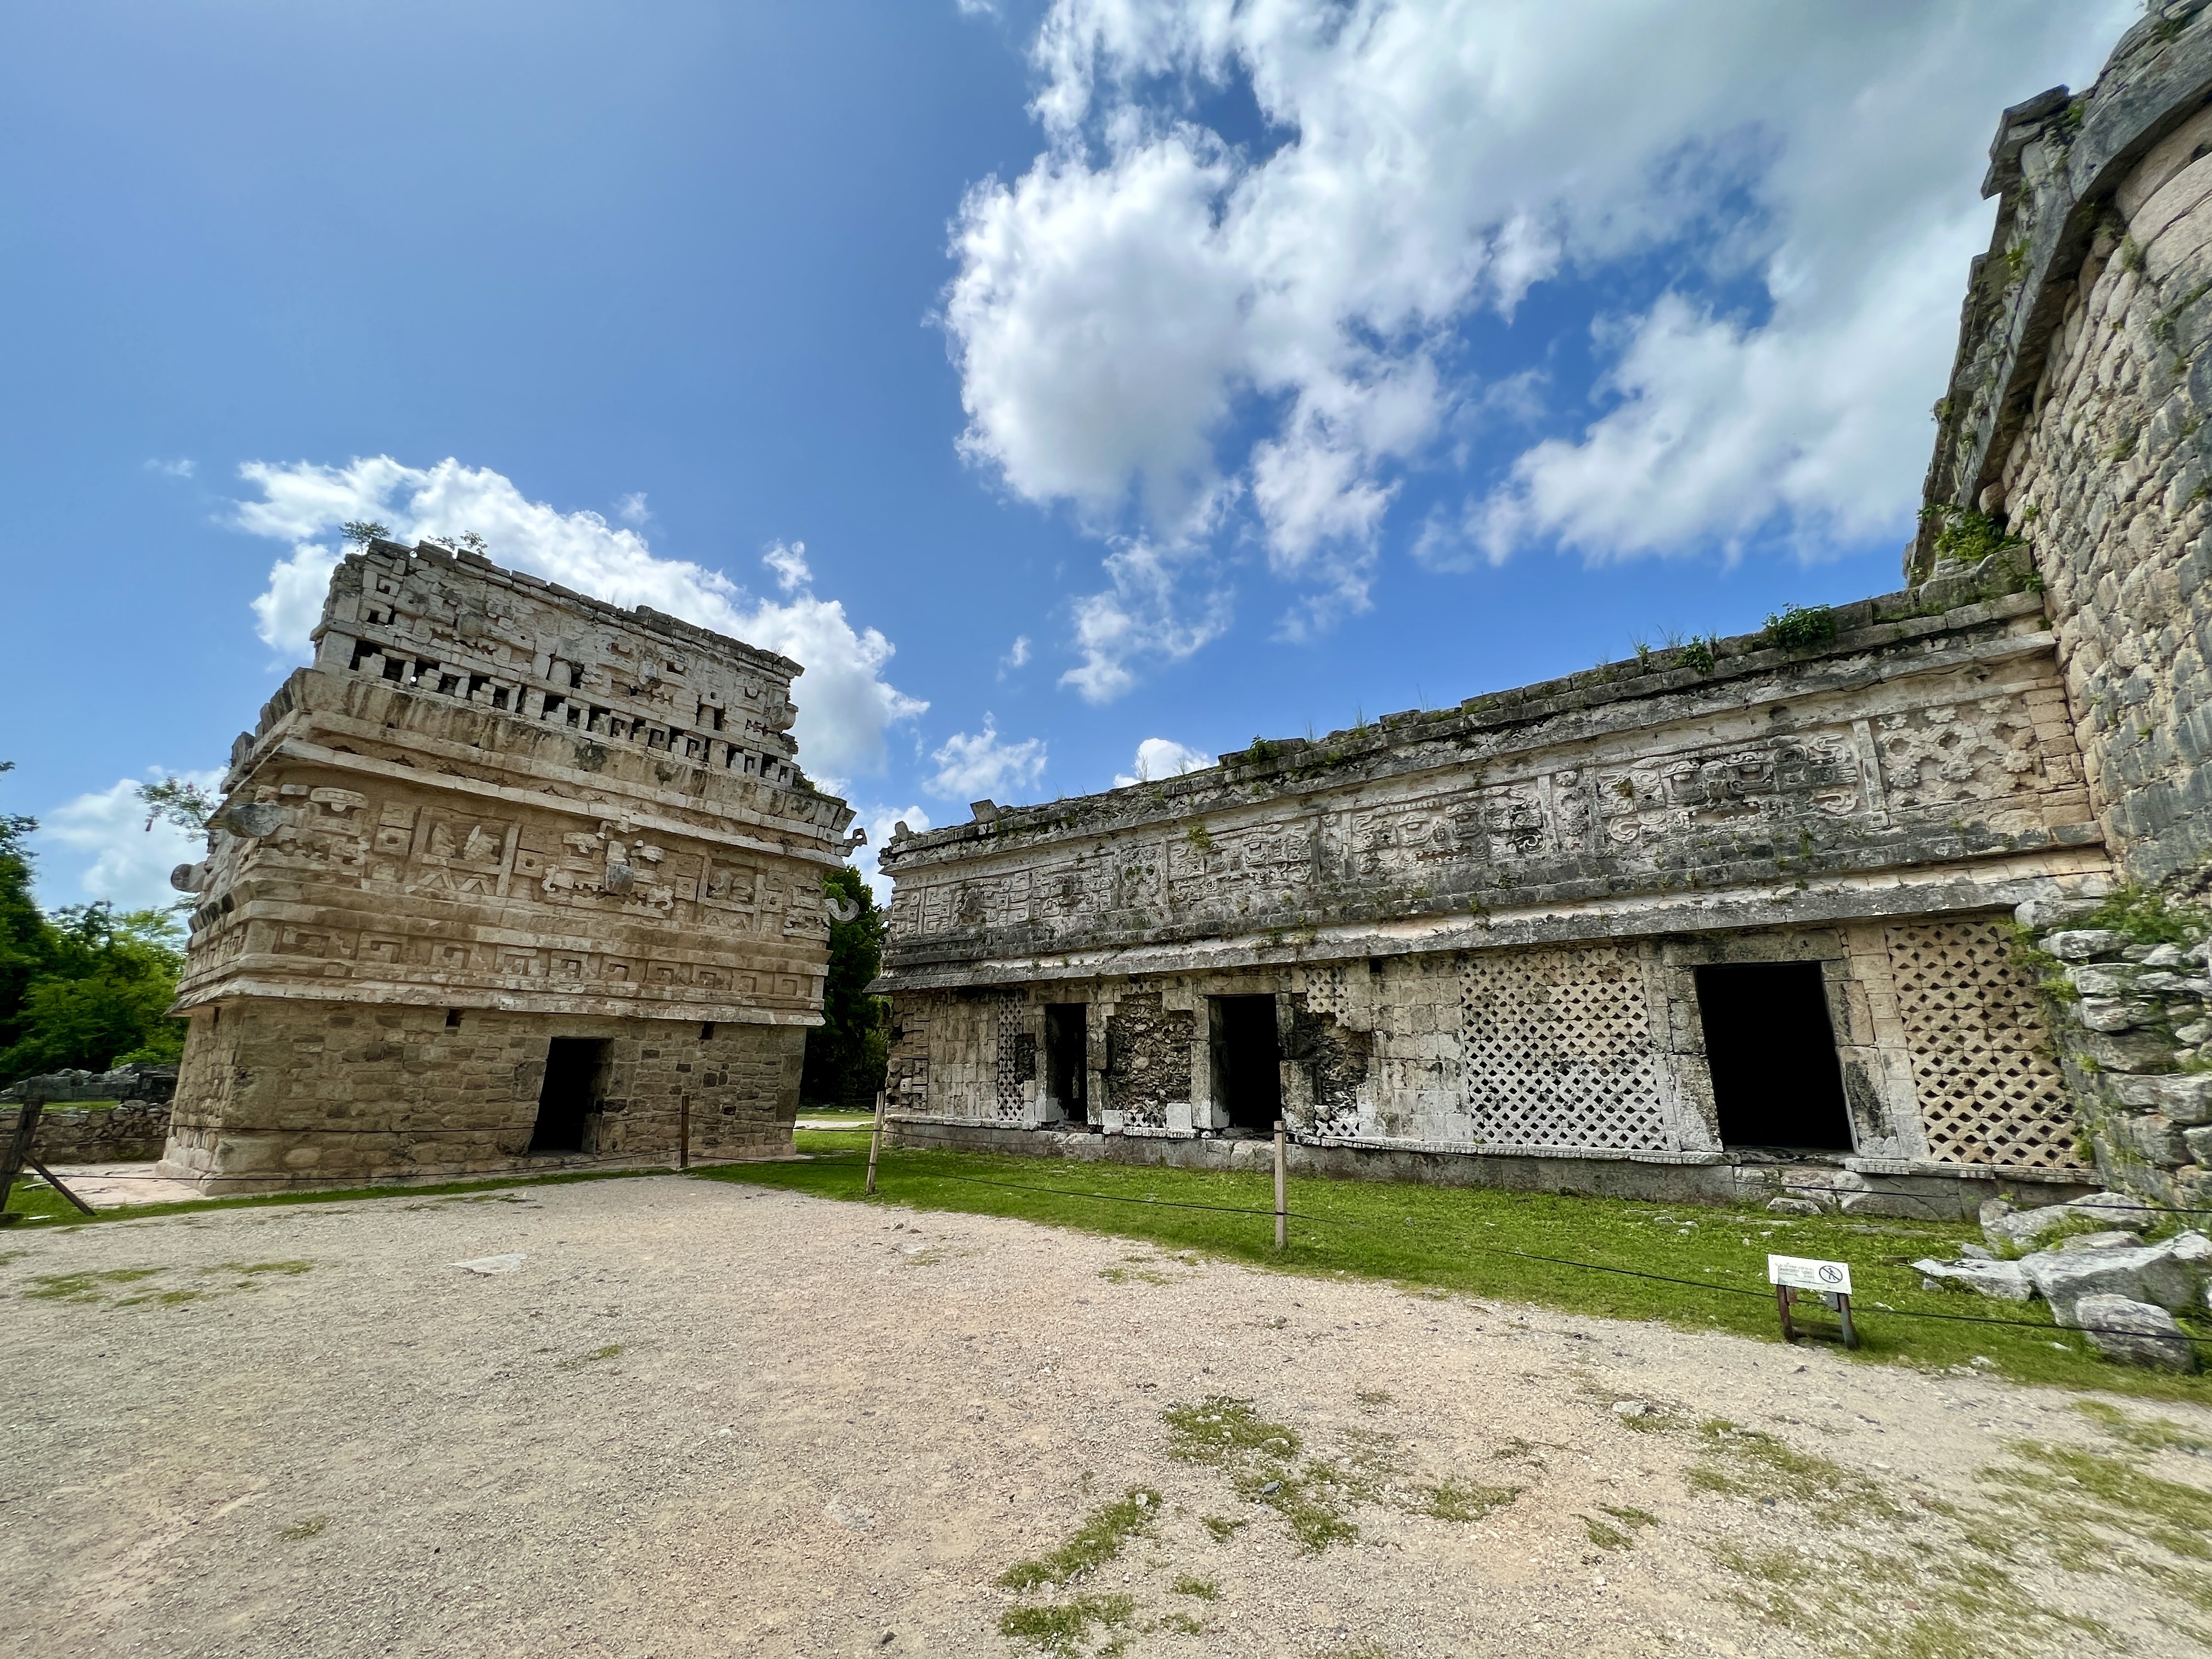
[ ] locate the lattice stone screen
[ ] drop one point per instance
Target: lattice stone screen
(1558, 1051)
(1982, 1063)
(1016, 1060)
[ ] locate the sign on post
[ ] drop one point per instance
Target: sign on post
(1830, 1280)
(1803, 1272)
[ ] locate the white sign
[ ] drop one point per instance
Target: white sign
(1803, 1274)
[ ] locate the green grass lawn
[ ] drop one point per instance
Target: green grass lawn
(1440, 1239)
(1449, 1239)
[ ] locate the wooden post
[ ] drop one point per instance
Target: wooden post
(1282, 1191)
(876, 1139)
(1782, 1308)
(55, 1182)
(684, 1132)
(16, 1151)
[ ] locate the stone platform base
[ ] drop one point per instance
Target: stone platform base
(1920, 1193)
(187, 1170)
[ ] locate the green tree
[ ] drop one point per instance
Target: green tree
(172, 800)
(104, 995)
(83, 986)
(847, 1053)
(27, 941)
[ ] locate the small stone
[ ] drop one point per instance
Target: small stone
(493, 1264)
(2117, 1210)
(2136, 1333)
(2098, 1241)
(2114, 1014)
(2008, 1281)
(2171, 1275)
(2041, 913)
(1793, 1207)
(2167, 956)
(2153, 1138)
(2080, 944)
(1271, 1489)
(2186, 1098)
(1977, 1253)
(1632, 1408)
(2103, 979)
(2128, 1051)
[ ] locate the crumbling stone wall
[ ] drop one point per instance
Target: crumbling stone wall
(2074, 427)
(2073, 421)
(1148, 1064)
(130, 1132)
(2108, 482)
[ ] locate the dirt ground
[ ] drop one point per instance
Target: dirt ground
(697, 1418)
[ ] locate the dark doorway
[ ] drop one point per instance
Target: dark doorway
(573, 1067)
(1773, 1056)
(1247, 1063)
(1066, 1031)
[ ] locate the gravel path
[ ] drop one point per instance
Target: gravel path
(701, 1419)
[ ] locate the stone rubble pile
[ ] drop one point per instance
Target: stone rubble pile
(139, 1081)
(2137, 1023)
(2090, 1261)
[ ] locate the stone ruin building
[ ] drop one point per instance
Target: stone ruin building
(1748, 917)
(507, 877)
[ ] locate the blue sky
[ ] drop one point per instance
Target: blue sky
(1052, 379)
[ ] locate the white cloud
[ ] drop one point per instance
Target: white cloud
(1164, 757)
(981, 767)
(131, 863)
(182, 468)
(1017, 656)
(1169, 333)
(881, 821)
(1164, 604)
(845, 705)
(632, 509)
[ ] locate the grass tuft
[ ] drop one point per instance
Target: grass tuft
(1104, 1535)
(1060, 1627)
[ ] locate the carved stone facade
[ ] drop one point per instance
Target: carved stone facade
(497, 828)
(1482, 929)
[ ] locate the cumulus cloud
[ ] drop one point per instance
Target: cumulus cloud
(1188, 339)
(980, 767)
(1163, 604)
(844, 703)
(1164, 757)
(131, 863)
(1017, 656)
(881, 821)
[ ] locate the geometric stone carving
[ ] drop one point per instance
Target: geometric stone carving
(1558, 1050)
(1991, 1092)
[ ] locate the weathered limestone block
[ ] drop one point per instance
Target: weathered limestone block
(2008, 1281)
(2136, 1333)
(2171, 1275)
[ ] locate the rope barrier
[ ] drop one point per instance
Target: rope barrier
(1522, 1256)
(613, 1166)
